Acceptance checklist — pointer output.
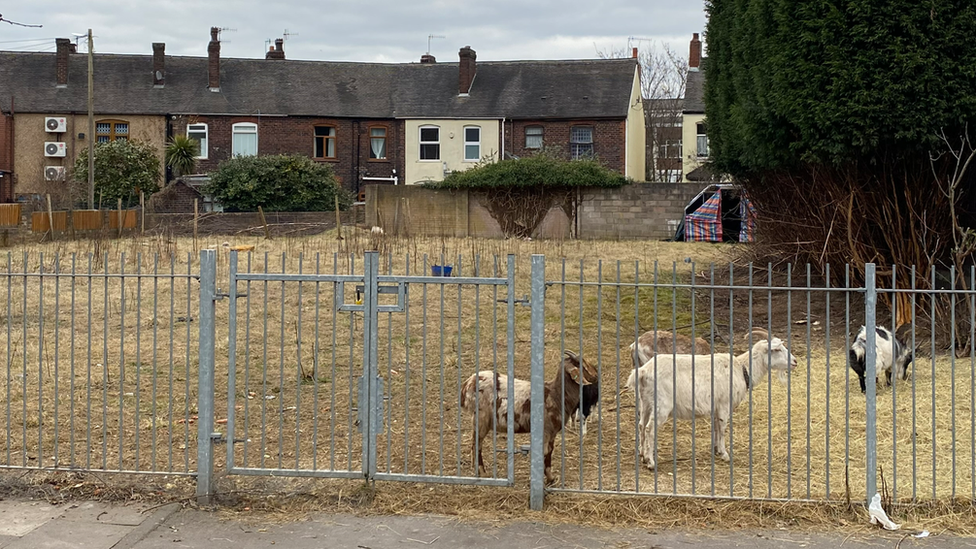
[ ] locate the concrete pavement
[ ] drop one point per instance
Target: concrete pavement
(38, 525)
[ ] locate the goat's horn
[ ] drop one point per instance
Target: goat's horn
(572, 355)
(758, 332)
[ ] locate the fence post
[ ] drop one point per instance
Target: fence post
(370, 397)
(205, 376)
(537, 478)
(870, 351)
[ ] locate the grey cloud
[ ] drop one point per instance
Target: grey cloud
(371, 30)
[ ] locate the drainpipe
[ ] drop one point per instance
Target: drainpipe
(502, 155)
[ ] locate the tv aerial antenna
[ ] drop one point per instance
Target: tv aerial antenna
(222, 29)
(632, 39)
(431, 37)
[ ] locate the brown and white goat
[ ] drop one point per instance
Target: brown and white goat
(561, 399)
(657, 342)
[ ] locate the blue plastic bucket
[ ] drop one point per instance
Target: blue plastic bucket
(441, 270)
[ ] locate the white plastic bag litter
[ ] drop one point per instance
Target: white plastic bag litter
(878, 514)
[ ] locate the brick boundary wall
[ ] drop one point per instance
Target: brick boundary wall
(644, 210)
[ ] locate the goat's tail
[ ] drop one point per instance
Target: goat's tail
(631, 381)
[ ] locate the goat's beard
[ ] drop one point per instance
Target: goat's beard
(783, 376)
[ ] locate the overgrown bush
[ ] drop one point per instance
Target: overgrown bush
(283, 183)
(123, 169)
(534, 172)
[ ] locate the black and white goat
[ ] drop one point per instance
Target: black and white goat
(892, 356)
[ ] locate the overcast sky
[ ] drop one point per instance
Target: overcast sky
(361, 30)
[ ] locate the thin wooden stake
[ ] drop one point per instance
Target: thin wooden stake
(264, 221)
(142, 206)
(50, 215)
(121, 221)
(338, 221)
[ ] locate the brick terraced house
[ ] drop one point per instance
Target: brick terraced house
(400, 123)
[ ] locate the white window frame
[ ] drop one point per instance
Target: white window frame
(204, 143)
(243, 128)
(467, 143)
(420, 152)
(701, 140)
(540, 135)
(575, 146)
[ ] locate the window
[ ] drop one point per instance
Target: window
(533, 137)
(325, 142)
(377, 143)
(581, 142)
(472, 143)
(198, 133)
(111, 130)
(671, 148)
(702, 139)
(245, 139)
(430, 146)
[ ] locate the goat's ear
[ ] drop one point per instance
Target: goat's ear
(574, 372)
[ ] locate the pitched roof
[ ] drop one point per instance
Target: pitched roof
(695, 92)
(514, 89)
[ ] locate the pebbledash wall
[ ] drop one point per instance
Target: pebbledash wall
(638, 211)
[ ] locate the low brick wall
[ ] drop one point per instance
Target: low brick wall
(645, 210)
(639, 211)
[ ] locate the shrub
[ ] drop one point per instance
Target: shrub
(284, 183)
(534, 172)
(123, 168)
(181, 154)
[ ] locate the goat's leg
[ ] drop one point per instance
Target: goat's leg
(719, 423)
(548, 443)
(480, 431)
(650, 441)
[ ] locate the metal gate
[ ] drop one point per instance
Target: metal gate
(357, 375)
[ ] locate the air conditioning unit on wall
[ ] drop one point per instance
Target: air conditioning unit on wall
(54, 173)
(55, 149)
(54, 124)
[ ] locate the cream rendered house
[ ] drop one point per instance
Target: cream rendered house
(456, 115)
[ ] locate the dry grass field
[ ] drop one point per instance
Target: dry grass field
(101, 373)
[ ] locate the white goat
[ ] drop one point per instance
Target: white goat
(669, 392)
(892, 354)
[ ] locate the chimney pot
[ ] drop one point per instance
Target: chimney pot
(428, 58)
(466, 69)
(635, 53)
(159, 64)
(277, 51)
(213, 67)
(694, 54)
(63, 49)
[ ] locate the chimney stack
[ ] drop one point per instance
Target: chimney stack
(277, 51)
(466, 69)
(159, 64)
(428, 58)
(213, 67)
(694, 55)
(64, 48)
